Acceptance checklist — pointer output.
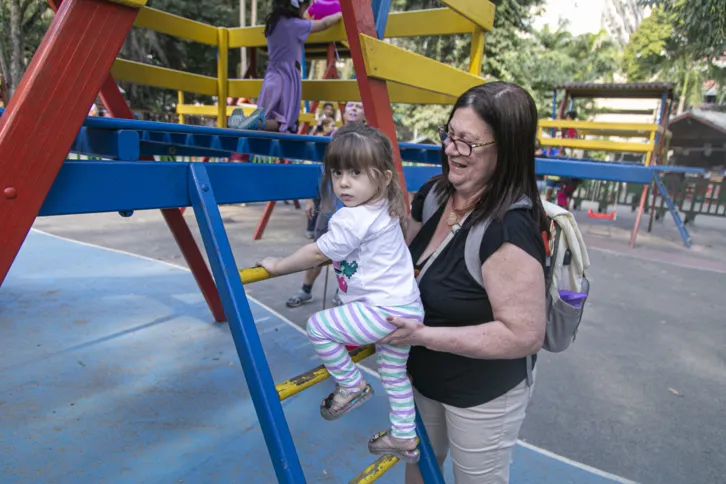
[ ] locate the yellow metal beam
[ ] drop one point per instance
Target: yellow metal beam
(593, 125)
(587, 144)
(131, 3)
(386, 61)
(295, 385)
(169, 24)
(342, 90)
(222, 73)
(417, 23)
(139, 73)
(374, 471)
(481, 12)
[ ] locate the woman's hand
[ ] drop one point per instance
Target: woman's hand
(409, 332)
(269, 264)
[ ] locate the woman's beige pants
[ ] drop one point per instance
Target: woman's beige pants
(479, 438)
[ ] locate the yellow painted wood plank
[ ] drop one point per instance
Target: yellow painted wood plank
(139, 73)
(416, 23)
(592, 125)
(131, 3)
(222, 69)
(476, 56)
(391, 63)
(600, 145)
(342, 91)
(211, 111)
(481, 12)
(169, 24)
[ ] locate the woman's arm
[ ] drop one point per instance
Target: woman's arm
(412, 229)
(514, 282)
(326, 23)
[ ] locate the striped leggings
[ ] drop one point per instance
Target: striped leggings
(359, 324)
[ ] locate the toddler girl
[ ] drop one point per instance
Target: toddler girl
(278, 106)
(375, 276)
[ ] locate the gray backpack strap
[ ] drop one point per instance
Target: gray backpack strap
(475, 237)
(430, 205)
(473, 262)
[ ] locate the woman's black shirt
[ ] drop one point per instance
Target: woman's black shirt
(451, 297)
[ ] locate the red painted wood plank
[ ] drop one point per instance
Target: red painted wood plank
(358, 19)
(35, 135)
(264, 219)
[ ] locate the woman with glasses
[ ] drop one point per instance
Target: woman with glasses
(468, 361)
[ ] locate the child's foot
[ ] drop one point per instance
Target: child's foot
(300, 298)
(383, 443)
(237, 120)
(343, 400)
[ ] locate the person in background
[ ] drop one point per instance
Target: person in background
(286, 31)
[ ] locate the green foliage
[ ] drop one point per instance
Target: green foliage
(700, 23)
(651, 47)
(22, 26)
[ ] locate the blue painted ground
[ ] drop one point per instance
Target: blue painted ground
(112, 371)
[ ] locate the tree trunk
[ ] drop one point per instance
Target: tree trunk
(684, 92)
(16, 46)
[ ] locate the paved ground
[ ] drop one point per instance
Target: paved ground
(641, 392)
(122, 372)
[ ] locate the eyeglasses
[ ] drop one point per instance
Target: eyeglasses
(464, 148)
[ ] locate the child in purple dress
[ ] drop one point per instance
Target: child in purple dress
(278, 106)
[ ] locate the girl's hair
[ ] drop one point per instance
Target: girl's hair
(282, 8)
(361, 147)
(511, 114)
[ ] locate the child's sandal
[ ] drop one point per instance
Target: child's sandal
(379, 445)
(329, 412)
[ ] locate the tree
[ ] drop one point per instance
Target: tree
(658, 51)
(701, 23)
(22, 26)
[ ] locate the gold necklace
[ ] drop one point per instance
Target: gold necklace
(456, 214)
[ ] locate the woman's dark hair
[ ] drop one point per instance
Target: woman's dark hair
(282, 8)
(357, 146)
(511, 114)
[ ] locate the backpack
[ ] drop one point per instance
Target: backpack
(566, 268)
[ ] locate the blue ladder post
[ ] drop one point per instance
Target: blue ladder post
(267, 403)
(672, 209)
(427, 464)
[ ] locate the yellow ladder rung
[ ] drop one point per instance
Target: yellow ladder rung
(374, 471)
(296, 384)
(256, 274)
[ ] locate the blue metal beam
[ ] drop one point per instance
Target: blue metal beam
(380, 15)
(594, 170)
(108, 186)
(257, 373)
(126, 140)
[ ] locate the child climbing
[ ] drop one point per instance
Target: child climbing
(375, 276)
(278, 106)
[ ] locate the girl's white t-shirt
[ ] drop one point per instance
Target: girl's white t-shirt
(370, 257)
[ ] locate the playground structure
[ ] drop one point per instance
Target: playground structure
(37, 180)
(650, 144)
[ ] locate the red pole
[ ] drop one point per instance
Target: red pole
(69, 66)
(358, 18)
